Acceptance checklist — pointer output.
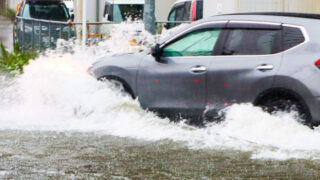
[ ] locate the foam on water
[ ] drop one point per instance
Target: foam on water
(56, 94)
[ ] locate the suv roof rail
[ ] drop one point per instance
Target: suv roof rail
(287, 14)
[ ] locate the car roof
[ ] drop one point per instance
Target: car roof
(283, 14)
(301, 19)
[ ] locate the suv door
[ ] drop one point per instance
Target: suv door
(176, 84)
(247, 63)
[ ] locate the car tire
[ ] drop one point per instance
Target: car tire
(275, 105)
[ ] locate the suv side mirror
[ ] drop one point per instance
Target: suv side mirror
(156, 52)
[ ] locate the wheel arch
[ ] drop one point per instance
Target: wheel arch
(282, 92)
(126, 86)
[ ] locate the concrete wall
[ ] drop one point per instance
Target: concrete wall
(214, 7)
(91, 10)
(163, 8)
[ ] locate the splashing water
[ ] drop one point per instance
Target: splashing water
(56, 94)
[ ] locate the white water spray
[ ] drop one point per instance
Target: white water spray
(55, 93)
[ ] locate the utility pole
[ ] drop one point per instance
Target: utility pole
(84, 24)
(149, 16)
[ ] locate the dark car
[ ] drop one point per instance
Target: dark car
(185, 10)
(33, 29)
(268, 59)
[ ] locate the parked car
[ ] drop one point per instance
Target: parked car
(185, 10)
(268, 59)
(32, 28)
(123, 10)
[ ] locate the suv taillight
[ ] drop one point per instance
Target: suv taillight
(193, 11)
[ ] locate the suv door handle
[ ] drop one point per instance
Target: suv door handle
(198, 69)
(264, 67)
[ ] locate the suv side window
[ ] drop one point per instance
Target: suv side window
(291, 37)
(252, 42)
(196, 43)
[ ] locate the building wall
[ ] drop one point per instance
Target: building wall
(214, 7)
(12, 3)
(91, 10)
(163, 8)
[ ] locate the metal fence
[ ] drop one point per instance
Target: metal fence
(40, 35)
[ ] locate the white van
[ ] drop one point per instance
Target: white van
(123, 10)
(70, 6)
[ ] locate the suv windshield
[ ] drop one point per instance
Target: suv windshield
(46, 10)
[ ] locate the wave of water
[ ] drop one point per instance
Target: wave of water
(55, 93)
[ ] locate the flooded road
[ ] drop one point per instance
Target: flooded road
(74, 155)
(59, 122)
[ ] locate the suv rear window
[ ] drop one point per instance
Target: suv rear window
(292, 37)
(46, 10)
(252, 42)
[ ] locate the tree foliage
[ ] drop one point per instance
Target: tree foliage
(8, 13)
(14, 61)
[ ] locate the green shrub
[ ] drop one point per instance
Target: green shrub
(13, 62)
(8, 13)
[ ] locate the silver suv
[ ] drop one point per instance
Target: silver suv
(268, 59)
